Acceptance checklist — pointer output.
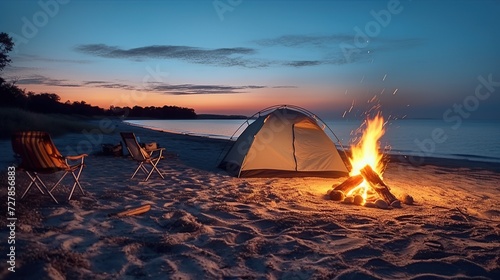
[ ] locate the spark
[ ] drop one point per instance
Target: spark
(376, 107)
(382, 92)
(352, 106)
(362, 79)
(395, 92)
(384, 77)
(345, 112)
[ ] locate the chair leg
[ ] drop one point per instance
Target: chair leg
(137, 169)
(143, 168)
(77, 183)
(34, 178)
(58, 182)
(39, 188)
(74, 186)
(33, 181)
(46, 189)
(159, 172)
(29, 186)
(154, 163)
(77, 179)
(149, 175)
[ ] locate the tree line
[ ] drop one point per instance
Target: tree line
(13, 96)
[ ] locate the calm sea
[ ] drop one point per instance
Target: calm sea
(475, 140)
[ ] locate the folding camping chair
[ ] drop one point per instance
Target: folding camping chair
(39, 155)
(142, 156)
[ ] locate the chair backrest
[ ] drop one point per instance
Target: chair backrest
(133, 147)
(37, 151)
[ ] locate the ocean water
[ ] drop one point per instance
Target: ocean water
(472, 139)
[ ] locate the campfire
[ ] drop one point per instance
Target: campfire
(365, 185)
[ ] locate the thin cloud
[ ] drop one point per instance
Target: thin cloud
(117, 85)
(302, 63)
(332, 47)
(41, 80)
(223, 57)
(299, 41)
(338, 49)
(355, 51)
(191, 89)
(31, 58)
(90, 83)
(303, 40)
(104, 84)
(180, 89)
(217, 57)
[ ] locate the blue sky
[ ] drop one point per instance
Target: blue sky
(417, 59)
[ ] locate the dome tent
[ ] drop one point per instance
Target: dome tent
(284, 141)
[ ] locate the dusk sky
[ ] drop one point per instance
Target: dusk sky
(414, 58)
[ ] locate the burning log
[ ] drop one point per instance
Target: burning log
(378, 185)
(349, 183)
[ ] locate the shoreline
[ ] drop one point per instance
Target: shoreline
(120, 125)
(409, 159)
(405, 147)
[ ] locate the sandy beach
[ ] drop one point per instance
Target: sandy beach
(205, 224)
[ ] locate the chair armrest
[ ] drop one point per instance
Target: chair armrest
(159, 150)
(155, 150)
(76, 157)
(82, 157)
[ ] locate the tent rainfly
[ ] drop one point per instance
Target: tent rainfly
(287, 142)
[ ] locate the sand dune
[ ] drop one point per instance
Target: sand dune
(204, 224)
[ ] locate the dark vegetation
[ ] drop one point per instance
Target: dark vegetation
(14, 97)
(22, 110)
(14, 119)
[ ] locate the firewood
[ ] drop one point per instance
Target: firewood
(349, 183)
(377, 184)
(358, 199)
(337, 195)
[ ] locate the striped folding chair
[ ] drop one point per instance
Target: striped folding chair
(39, 155)
(141, 156)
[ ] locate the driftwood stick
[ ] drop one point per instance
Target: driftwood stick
(377, 184)
(349, 183)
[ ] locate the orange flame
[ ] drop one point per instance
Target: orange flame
(366, 152)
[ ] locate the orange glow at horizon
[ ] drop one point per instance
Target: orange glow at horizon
(106, 97)
(246, 103)
(366, 152)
